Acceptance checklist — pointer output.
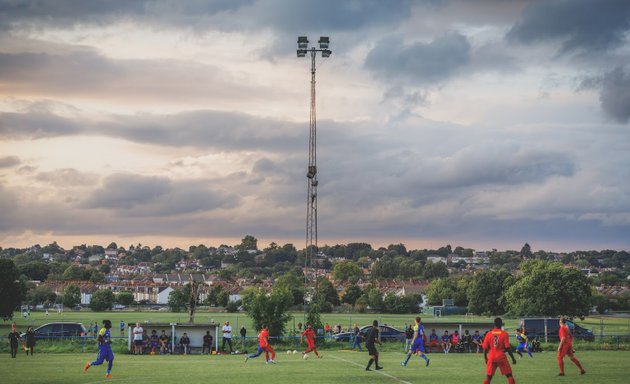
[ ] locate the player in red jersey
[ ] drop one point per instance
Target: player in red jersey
(310, 341)
(566, 347)
(264, 344)
(495, 344)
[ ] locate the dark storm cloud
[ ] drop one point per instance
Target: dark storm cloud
(69, 13)
(36, 125)
(9, 161)
(137, 195)
(615, 95)
(419, 63)
(226, 131)
(580, 25)
(67, 177)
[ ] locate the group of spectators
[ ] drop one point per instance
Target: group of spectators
(447, 343)
(145, 344)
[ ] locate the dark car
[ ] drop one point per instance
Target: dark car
(54, 330)
(387, 333)
(535, 328)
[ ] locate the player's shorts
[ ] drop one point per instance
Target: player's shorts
(498, 362)
(566, 350)
(138, 343)
(371, 349)
(521, 346)
(310, 345)
(418, 345)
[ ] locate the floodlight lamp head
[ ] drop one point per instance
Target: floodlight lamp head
(302, 42)
(301, 52)
(326, 53)
(324, 41)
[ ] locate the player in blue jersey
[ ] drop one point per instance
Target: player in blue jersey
(104, 349)
(417, 344)
(522, 344)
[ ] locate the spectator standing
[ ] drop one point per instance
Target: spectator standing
(227, 336)
(207, 343)
(122, 328)
(137, 338)
(30, 340)
(243, 336)
(14, 338)
(95, 329)
(327, 330)
(358, 338)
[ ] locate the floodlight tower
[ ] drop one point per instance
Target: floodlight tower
(311, 174)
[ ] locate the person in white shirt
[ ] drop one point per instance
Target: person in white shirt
(137, 339)
(227, 336)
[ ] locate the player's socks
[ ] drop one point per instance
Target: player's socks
(511, 380)
(86, 367)
(407, 359)
(530, 354)
(369, 364)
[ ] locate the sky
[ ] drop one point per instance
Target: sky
(485, 124)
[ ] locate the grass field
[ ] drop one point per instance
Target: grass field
(335, 367)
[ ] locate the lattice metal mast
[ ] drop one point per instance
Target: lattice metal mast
(311, 175)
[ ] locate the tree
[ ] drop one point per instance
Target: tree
(35, 270)
(374, 298)
(74, 272)
(271, 309)
(526, 251)
(102, 300)
(549, 289)
(42, 294)
(249, 242)
(326, 293)
(485, 295)
(435, 270)
(352, 294)
(177, 300)
(448, 288)
(347, 271)
(71, 296)
(10, 288)
(293, 284)
(124, 298)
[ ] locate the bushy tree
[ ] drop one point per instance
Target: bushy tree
(71, 296)
(124, 298)
(347, 271)
(11, 291)
(549, 289)
(326, 294)
(102, 300)
(448, 288)
(271, 309)
(352, 294)
(293, 284)
(485, 294)
(177, 300)
(42, 294)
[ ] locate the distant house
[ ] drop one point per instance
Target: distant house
(436, 259)
(164, 292)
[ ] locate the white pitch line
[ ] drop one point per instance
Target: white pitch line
(379, 371)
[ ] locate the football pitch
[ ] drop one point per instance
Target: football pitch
(335, 367)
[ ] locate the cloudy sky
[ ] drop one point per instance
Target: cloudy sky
(485, 124)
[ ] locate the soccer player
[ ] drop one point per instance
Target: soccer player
(417, 343)
(263, 346)
(372, 338)
(104, 350)
(310, 341)
(522, 344)
(164, 344)
(495, 344)
(565, 348)
(154, 342)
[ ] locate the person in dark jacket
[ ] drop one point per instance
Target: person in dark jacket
(30, 340)
(370, 340)
(14, 340)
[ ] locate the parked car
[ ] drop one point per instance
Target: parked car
(53, 330)
(387, 333)
(535, 327)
